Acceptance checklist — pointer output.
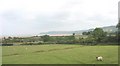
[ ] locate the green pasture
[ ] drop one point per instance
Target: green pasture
(59, 54)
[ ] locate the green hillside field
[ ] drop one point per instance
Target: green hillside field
(59, 54)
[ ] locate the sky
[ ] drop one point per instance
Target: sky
(31, 17)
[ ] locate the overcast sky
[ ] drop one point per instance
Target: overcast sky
(30, 17)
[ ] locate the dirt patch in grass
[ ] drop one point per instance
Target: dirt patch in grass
(39, 51)
(11, 54)
(70, 47)
(53, 49)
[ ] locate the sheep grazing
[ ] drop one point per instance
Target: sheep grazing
(99, 58)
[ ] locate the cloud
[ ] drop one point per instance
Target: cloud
(31, 17)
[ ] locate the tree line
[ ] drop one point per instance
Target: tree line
(97, 36)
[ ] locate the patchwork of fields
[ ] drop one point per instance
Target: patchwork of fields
(59, 54)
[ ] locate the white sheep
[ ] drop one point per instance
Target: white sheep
(99, 58)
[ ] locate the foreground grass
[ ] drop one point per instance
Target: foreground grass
(0, 55)
(59, 54)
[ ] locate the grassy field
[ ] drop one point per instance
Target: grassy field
(0, 55)
(59, 54)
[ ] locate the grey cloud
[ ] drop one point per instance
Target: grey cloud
(15, 21)
(11, 16)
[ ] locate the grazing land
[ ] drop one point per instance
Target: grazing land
(59, 54)
(0, 55)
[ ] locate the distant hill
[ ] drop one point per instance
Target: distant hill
(108, 29)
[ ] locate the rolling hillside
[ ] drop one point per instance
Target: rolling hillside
(108, 29)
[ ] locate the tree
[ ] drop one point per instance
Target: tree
(4, 40)
(118, 33)
(118, 25)
(45, 38)
(73, 34)
(87, 33)
(99, 34)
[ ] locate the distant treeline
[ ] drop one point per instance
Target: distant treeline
(97, 36)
